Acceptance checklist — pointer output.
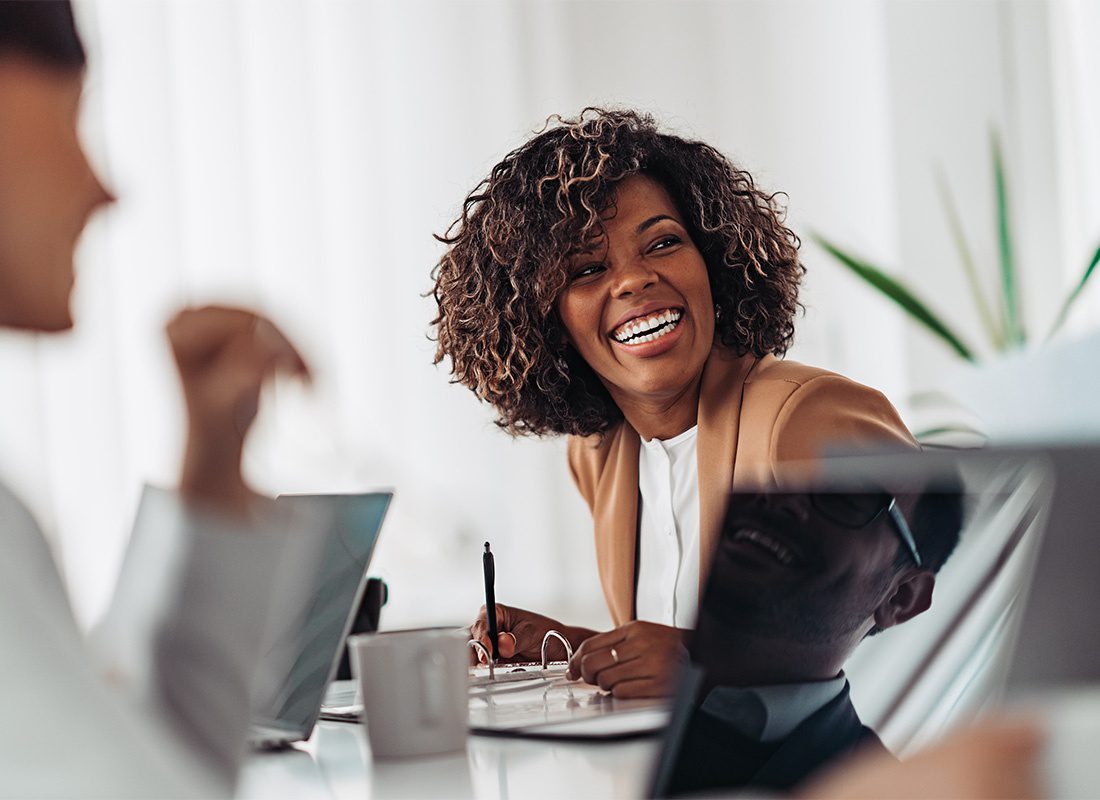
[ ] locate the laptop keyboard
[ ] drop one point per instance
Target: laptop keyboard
(342, 693)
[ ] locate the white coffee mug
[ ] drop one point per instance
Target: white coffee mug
(414, 687)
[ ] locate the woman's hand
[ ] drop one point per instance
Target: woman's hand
(520, 634)
(224, 356)
(639, 659)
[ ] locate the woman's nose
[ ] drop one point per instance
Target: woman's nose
(97, 194)
(633, 276)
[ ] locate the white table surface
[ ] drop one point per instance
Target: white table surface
(336, 763)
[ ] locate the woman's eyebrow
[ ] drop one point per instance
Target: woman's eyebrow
(649, 223)
(593, 245)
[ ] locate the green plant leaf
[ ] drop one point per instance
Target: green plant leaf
(927, 433)
(1014, 329)
(1066, 306)
(892, 289)
(992, 329)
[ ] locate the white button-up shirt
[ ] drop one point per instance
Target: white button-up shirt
(668, 519)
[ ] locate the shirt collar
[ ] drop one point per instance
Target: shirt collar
(668, 444)
(771, 713)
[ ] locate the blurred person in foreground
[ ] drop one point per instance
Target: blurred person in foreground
(158, 708)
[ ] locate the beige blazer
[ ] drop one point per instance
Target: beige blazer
(754, 415)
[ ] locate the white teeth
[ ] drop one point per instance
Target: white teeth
(781, 553)
(648, 329)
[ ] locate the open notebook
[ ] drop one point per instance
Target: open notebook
(532, 701)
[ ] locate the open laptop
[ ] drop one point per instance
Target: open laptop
(306, 651)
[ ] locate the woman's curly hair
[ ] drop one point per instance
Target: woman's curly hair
(507, 262)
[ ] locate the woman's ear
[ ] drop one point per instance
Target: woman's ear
(910, 595)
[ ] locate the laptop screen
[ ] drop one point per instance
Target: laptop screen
(312, 641)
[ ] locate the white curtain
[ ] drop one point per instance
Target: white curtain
(297, 156)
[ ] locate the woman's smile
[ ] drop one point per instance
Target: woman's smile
(650, 334)
(647, 325)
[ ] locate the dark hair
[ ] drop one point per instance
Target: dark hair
(42, 29)
(498, 282)
(937, 522)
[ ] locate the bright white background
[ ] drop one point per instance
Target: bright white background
(298, 156)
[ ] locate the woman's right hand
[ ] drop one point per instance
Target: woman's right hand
(520, 634)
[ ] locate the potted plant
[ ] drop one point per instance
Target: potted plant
(1001, 320)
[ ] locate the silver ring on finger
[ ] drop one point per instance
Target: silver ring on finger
(614, 655)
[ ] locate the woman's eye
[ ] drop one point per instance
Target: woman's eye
(665, 242)
(587, 271)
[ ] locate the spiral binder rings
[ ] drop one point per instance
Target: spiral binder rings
(512, 672)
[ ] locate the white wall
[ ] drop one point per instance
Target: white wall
(299, 155)
(1075, 95)
(959, 72)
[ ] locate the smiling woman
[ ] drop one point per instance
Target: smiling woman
(636, 290)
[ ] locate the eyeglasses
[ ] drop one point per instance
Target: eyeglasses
(860, 509)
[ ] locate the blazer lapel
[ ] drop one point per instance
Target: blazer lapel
(616, 519)
(720, 396)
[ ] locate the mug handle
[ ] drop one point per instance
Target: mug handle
(433, 687)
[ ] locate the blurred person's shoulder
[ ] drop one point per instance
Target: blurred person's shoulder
(28, 564)
(19, 531)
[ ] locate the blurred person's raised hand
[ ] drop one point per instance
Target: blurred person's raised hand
(520, 634)
(991, 761)
(224, 356)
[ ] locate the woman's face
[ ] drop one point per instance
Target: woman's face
(638, 305)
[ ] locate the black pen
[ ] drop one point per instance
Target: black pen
(490, 600)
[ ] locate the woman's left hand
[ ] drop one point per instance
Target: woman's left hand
(639, 659)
